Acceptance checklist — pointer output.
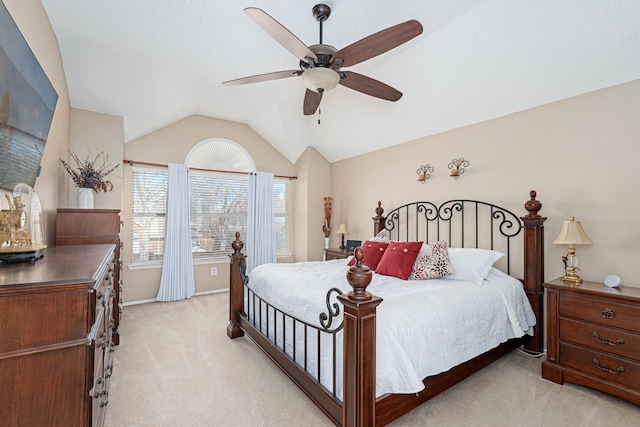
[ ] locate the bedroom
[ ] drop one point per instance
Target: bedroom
(576, 152)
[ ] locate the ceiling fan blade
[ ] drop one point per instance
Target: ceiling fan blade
(263, 77)
(280, 34)
(378, 43)
(311, 102)
(369, 86)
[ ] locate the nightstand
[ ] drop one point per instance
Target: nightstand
(336, 253)
(593, 337)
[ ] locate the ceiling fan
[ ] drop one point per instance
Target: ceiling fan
(321, 64)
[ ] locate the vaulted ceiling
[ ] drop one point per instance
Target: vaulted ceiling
(157, 61)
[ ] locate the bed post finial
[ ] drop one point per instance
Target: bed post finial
(379, 209)
(533, 205)
(237, 244)
(378, 220)
(359, 351)
(359, 277)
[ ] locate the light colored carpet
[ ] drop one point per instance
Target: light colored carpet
(176, 366)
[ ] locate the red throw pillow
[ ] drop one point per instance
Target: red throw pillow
(372, 252)
(398, 259)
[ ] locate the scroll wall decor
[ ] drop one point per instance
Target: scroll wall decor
(424, 172)
(457, 167)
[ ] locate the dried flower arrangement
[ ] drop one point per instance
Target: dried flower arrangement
(90, 173)
(326, 227)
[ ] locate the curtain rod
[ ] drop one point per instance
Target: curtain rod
(132, 162)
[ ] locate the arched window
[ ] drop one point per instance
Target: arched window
(220, 154)
(219, 196)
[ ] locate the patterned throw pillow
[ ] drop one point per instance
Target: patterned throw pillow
(432, 262)
(382, 236)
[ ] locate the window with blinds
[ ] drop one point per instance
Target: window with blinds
(149, 206)
(218, 210)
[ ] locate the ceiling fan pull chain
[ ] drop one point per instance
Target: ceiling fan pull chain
(319, 112)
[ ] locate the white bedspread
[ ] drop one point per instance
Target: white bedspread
(423, 327)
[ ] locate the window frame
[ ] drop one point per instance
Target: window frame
(284, 249)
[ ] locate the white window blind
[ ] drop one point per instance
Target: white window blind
(149, 207)
(218, 210)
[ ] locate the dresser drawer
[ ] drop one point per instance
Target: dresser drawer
(610, 368)
(601, 338)
(599, 311)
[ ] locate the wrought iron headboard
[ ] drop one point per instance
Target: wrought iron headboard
(462, 223)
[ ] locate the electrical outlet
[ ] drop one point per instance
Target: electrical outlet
(214, 271)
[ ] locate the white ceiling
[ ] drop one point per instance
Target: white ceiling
(157, 61)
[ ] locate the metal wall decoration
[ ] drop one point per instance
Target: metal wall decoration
(424, 172)
(457, 167)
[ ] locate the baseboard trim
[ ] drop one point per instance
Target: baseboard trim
(145, 301)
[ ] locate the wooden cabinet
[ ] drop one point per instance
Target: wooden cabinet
(336, 253)
(94, 226)
(593, 337)
(56, 353)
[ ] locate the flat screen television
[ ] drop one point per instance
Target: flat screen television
(27, 103)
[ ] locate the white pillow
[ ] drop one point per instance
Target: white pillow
(472, 265)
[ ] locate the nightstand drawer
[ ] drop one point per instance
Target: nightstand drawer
(610, 368)
(599, 311)
(600, 338)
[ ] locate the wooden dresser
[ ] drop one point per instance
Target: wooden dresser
(56, 353)
(94, 226)
(593, 337)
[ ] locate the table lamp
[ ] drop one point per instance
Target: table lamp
(342, 230)
(572, 234)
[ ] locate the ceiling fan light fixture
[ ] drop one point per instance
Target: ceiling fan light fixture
(320, 79)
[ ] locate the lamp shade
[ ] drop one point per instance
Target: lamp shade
(342, 229)
(572, 234)
(320, 79)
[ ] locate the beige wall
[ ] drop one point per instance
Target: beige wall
(92, 133)
(579, 154)
(171, 145)
(312, 185)
(34, 24)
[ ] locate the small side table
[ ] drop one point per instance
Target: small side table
(336, 253)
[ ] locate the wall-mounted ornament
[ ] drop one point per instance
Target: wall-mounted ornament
(424, 173)
(457, 167)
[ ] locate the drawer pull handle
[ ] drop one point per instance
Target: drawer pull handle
(608, 314)
(607, 342)
(608, 370)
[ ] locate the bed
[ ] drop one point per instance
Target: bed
(353, 340)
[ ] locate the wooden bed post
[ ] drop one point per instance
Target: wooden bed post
(534, 268)
(359, 337)
(236, 285)
(378, 220)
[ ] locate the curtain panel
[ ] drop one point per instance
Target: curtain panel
(177, 281)
(261, 227)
